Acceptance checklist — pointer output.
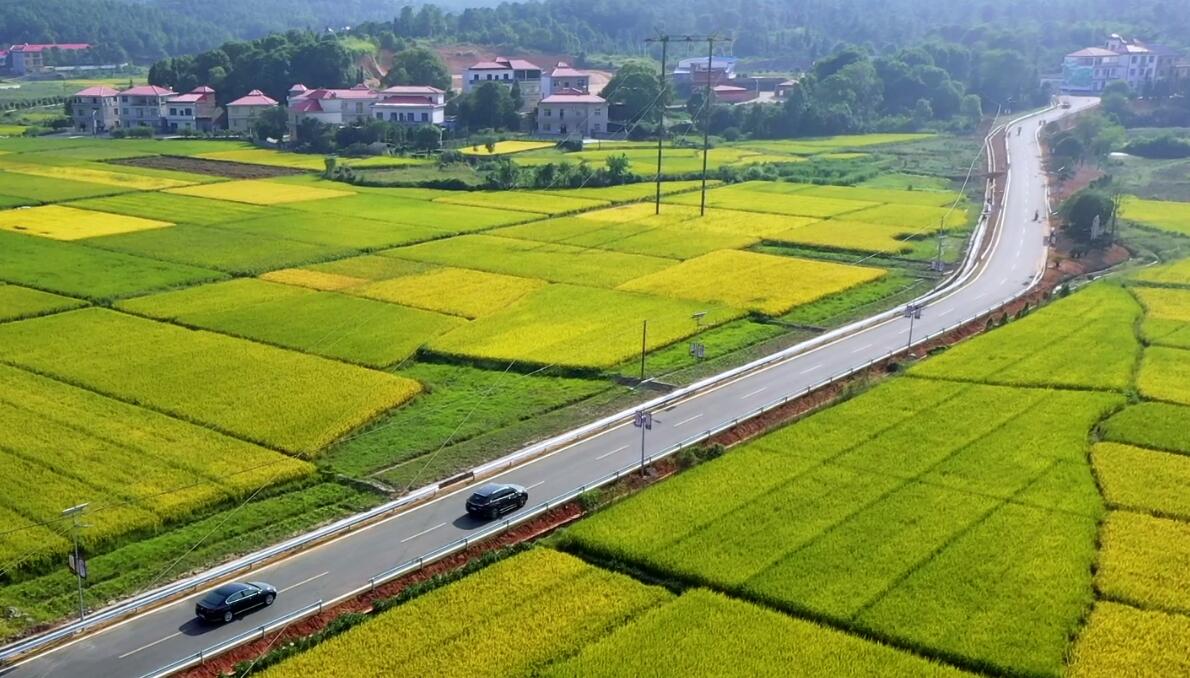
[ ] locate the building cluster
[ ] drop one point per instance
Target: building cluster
(1139, 65)
(29, 58)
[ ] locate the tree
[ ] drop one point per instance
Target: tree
(315, 136)
(971, 108)
(488, 106)
(515, 98)
(1081, 210)
(427, 138)
(272, 123)
(506, 176)
(633, 90)
(923, 112)
(618, 170)
(418, 66)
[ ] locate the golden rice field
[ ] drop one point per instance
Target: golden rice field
(266, 156)
(457, 291)
(315, 280)
(260, 192)
(1176, 273)
(1165, 374)
(127, 180)
(757, 282)
(1145, 561)
(1168, 216)
(538, 203)
(836, 234)
(1137, 479)
(68, 223)
(1167, 315)
(505, 148)
(1123, 641)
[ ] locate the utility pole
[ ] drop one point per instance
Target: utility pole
(912, 312)
(941, 234)
(664, 40)
(77, 563)
(644, 337)
(706, 127)
(644, 421)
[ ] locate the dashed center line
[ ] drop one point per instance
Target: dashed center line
(536, 484)
(305, 581)
(687, 421)
(810, 369)
(605, 455)
(863, 348)
(422, 533)
(757, 391)
(145, 647)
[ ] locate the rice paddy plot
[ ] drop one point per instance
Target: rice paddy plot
(682, 241)
(362, 331)
(306, 161)
(856, 236)
(338, 231)
(1148, 481)
(370, 267)
(505, 147)
(1165, 374)
(260, 192)
(767, 159)
(761, 643)
(219, 248)
(178, 209)
(119, 179)
(1161, 214)
(1175, 274)
(438, 215)
(560, 604)
(280, 398)
(69, 223)
(1159, 426)
(927, 198)
(913, 218)
(36, 189)
(85, 447)
(538, 203)
(528, 259)
(579, 327)
(18, 302)
(626, 192)
(675, 161)
(747, 200)
(456, 291)
(758, 282)
(1083, 341)
(73, 269)
(1145, 561)
(315, 280)
(7, 202)
(1167, 315)
(1123, 641)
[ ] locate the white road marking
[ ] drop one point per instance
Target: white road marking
(757, 391)
(605, 455)
(145, 647)
(810, 369)
(863, 348)
(946, 312)
(422, 533)
(687, 421)
(307, 580)
(536, 484)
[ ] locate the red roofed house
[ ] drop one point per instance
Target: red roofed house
(95, 109)
(732, 94)
(1140, 65)
(411, 105)
(505, 71)
(565, 77)
(29, 58)
(144, 106)
(242, 112)
(331, 106)
(571, 112)
(194, 110)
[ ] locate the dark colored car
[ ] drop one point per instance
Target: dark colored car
(495, 499)
(226, 602)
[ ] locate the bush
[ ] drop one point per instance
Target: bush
(133, 133)
(1164, 147)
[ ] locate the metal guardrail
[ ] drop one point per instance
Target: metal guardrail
(169, 592)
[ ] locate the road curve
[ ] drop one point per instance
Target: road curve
(1015, 255)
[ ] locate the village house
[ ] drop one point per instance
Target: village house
(732, 94)
(1140, 65)
(144, 106)
(242, 113)
(563, 77)
(30, 58)
(331, 106)
(571, 112)
(95, 109)
(194, 110)
(411, 105)
(693, 71)
(505, 71)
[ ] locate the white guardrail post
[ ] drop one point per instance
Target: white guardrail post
(170, 591)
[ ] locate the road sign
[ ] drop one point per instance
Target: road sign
(78, 566)
(698, 350)
(643, 420)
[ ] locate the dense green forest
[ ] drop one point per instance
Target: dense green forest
(150, 29)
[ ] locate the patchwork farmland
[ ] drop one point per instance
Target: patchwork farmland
(302, 331)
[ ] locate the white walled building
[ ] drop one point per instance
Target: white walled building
(1138, 64)
(411, 105)
(194, 110)
(242, 112)
(404, 104)
(505, 71)
(572, 113)
(95, 109)
(564, 77)
(144, 106)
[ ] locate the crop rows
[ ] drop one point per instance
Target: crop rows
(553, 604)
(18, 302)
(539, 203)
(1160, 426)
(1175, 274)
(1167, 316)
(758, 282)
(181, 209)
(745, 199)
(626, 192)
(125, 179)
(414, 211)
(280, 398)
(1143, 480)
(1123, 641)
(1169, 216)
(456, 291)
(1165, 374)
(1145, 561)
(683, 240)
(29, 188)
(260, 192)
(846, 235)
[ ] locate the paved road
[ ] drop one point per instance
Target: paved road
(152, 640)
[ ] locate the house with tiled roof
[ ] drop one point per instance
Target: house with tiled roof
(572, 113)
(144, 106)
(331, 106)
(565, 77)
(95, 110)
(505, 71)
(195, 110)
(242, 112)
(410, 109)
(1140, 65)
(31, 58)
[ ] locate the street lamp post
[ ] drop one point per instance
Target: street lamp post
(77, 563)
(644, 421)
(912, 312)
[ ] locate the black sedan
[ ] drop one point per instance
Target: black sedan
(226, 602)
(494, 500)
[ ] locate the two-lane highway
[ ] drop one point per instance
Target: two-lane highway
(1015, 255)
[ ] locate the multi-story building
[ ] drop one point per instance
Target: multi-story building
(694, 71)
(564, 77)
(505, 71)
(144, 106)
(242, 112)
(572, 113)
(1140, 65)
(195, 110)
(331, 106)
(95, 109)
(411, 105)
(29, 58)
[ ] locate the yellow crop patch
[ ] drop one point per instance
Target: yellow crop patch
(506, 147)
(259, 192)
(846, 235)
(137, 182)
(69, 223)
(759, 282)
(315, 280)
(1120, 640)
(457, 291)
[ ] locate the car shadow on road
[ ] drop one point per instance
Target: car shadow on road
(196, 627)
(467, 522)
